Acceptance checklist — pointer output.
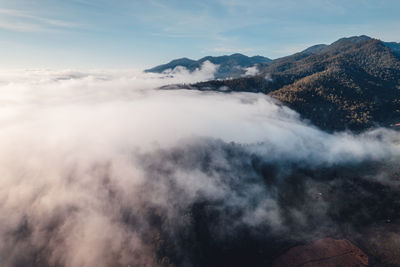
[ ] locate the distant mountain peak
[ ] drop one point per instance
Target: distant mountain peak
(354, 39)
(237, 54)
(315, 49)
(182, 60)
(230, 65)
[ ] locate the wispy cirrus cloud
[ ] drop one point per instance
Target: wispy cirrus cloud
(22, 21)
(19, 26)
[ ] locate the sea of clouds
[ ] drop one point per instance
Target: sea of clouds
(102, 168)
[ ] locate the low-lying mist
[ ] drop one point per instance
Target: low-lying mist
(100, 168)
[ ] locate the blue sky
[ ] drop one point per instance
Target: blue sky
(139, 34)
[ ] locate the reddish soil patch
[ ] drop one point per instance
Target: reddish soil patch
(326, 252)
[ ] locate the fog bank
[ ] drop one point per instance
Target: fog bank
(101, 168)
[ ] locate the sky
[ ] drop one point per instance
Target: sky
(94, 34)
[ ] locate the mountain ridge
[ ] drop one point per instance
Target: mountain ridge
(351, 84)
(229, 65)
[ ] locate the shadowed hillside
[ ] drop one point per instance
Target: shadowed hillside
(354, 83)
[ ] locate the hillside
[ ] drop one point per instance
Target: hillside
(229, 66)
(393, 46)
(354, 83)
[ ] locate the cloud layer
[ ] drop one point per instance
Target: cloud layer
(102, 169)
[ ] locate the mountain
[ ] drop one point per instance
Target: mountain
(315, 49)
(229, 66)
(185, 62)
(354, 83)
(394, 46)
